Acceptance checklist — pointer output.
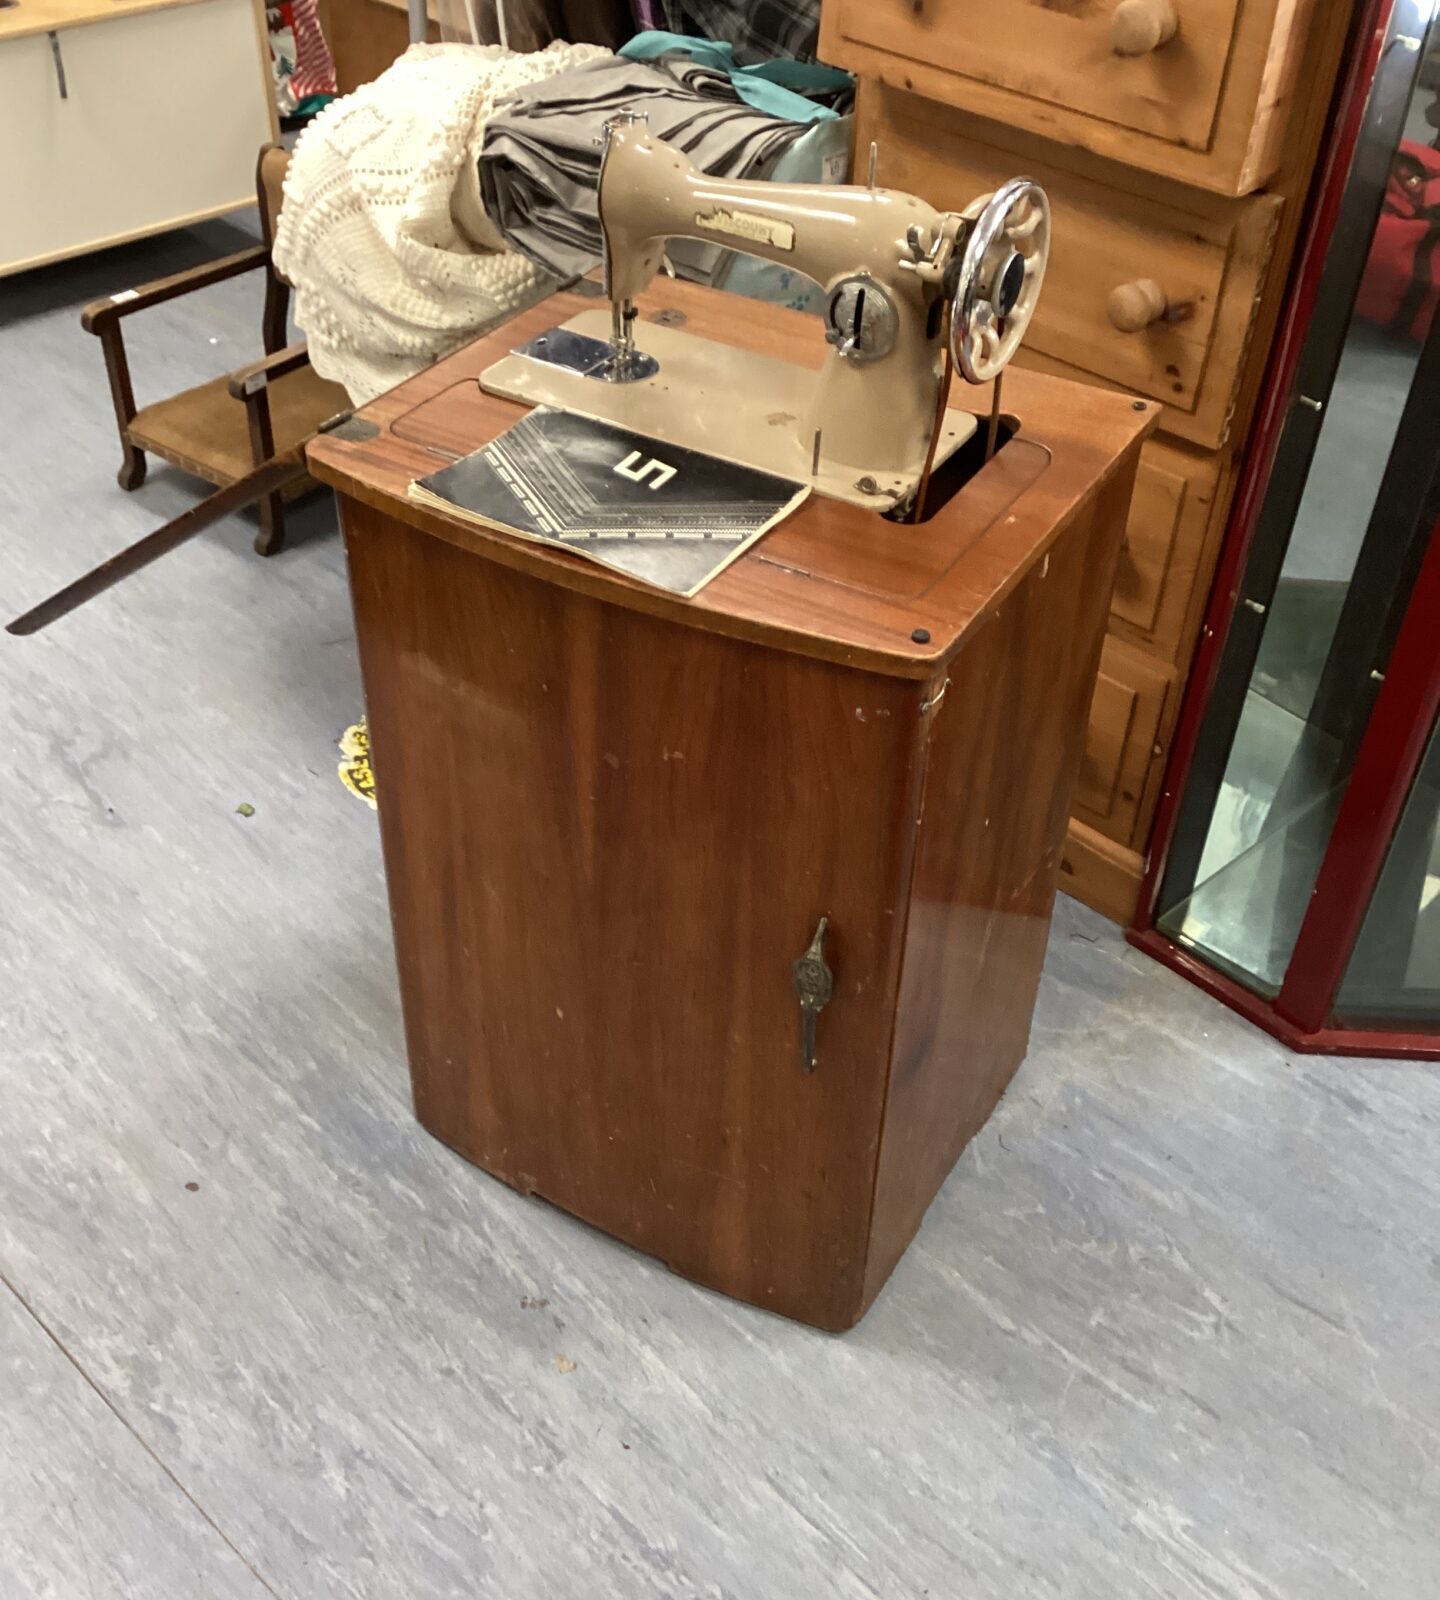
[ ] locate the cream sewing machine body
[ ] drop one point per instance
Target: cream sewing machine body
(905, 286)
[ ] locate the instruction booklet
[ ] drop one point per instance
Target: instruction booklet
(658, 512)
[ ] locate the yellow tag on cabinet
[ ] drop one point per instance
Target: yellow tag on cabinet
(355, 770)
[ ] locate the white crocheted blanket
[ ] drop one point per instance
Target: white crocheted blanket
(382, 232)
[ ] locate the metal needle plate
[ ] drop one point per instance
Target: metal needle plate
(591, 358)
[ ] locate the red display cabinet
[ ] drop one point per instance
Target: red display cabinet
(1295, 872)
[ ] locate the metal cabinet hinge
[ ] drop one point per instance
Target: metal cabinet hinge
(936, 698)
(814, 984)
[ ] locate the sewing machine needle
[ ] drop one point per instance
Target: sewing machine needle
(993, 432)
(815, 456)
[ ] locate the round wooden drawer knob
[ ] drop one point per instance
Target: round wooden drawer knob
(1139, 26)
(1132, 307)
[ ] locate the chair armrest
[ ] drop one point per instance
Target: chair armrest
(102, 313)
(246, 380)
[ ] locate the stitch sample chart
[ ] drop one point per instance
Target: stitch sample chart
(661, 513)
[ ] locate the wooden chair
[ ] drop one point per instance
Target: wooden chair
(221, 430)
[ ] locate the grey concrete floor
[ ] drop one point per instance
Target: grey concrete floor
(1170, 1329)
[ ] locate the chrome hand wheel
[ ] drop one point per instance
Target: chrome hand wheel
(1001, 270)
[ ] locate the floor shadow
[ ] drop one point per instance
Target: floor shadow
(308, 520)
(66, 284)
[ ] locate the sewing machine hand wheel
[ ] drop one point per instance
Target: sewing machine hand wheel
(1001, 270)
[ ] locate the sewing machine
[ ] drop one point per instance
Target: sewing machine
(910, 294)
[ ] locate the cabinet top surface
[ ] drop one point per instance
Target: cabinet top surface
(832, 580)
(52, 16)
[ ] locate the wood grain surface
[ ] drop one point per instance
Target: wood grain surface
(45, 16)
(607, 838)
(1001, 765)
(1210, 108)
(833, 580)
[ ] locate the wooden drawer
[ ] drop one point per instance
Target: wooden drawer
(1104, 875)
(1176, 518)
(1207, 258)
(1207, 107)
(1125, 717)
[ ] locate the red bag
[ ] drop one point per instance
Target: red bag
(1401, 286)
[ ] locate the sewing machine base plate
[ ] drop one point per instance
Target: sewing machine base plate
(736, 404)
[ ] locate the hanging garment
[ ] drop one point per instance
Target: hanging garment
(799, 91)
(540, 157)
(382, 231)
(299, 57)
(759, 29)
(532, 24)
(314, 66)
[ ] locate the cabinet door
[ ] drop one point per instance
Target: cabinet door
(1176, 518)
(608, 838)
(1191, 89)
(1121, 743)
(162, 117)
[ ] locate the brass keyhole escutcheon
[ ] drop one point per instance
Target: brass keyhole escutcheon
(814, 984)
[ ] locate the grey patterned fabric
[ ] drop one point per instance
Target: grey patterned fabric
(540, 161)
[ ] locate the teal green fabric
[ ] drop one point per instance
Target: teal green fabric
(312, 104)
(771, 86)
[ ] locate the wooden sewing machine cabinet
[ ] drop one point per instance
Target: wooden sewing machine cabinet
(613, 819)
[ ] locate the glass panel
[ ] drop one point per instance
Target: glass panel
(1327, 629)
(1394, 975)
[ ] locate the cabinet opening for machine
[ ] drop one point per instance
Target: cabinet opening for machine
(957, 470)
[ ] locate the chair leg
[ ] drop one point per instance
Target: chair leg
(132, 470)
(262, 446)
(271, 538)
(112, 342)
